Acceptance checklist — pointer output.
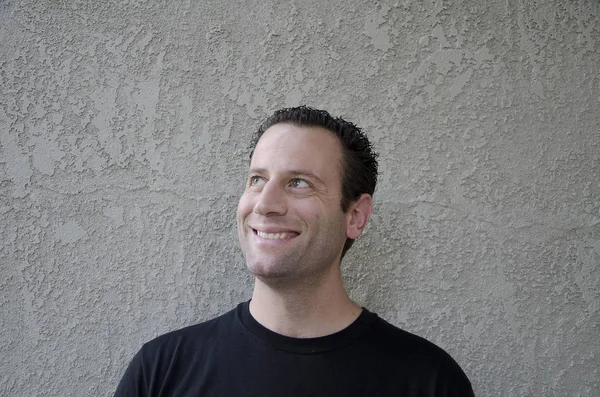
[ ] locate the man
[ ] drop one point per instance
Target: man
(307, 198)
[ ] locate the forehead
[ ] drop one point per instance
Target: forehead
(290, 146)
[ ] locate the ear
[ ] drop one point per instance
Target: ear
(357, 216)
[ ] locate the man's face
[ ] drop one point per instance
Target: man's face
(290, 222)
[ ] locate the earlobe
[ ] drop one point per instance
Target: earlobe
(358, 215)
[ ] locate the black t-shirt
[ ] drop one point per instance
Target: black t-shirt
(233, 355)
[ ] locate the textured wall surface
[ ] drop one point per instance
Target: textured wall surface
(124, 128)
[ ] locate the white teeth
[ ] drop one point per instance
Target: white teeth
(272, 236)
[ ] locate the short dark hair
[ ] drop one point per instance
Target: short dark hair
(359, 160)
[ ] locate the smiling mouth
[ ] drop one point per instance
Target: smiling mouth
(275, 236)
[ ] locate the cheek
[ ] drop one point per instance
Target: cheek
(314, 211)
(245, 206)
(308, 207)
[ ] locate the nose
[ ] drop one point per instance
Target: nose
(271, 200)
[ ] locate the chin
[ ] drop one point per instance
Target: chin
(266, 271)
(269, 268)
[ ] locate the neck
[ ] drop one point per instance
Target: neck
(306, 309)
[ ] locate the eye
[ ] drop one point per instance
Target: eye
(255, 180)
(299, 183)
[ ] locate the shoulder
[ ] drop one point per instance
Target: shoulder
(176, 354)
(398, 340)
(197, 335)
(424, 361)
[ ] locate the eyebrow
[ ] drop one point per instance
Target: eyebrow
(298, 172)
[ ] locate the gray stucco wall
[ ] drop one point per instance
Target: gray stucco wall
(124, 128)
